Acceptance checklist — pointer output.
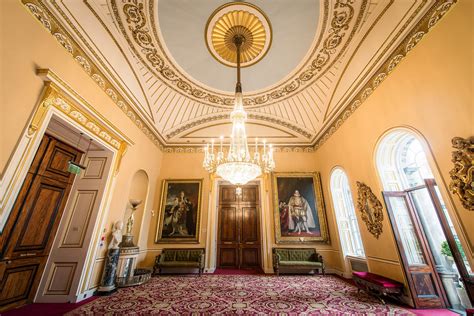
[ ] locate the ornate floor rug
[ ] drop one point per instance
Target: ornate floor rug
(242, 295)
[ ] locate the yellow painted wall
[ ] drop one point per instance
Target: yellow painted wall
(189, 166)
(432, 91)
(26, 46)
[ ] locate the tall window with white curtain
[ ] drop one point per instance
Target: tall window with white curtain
(349, 233)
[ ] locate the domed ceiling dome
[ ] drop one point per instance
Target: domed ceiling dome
(182, 26)
(316, 63)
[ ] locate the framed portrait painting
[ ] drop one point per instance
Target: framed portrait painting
(180, 211)
(300, 215)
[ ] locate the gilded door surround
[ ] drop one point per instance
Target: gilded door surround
(59, 100)
(348, 105)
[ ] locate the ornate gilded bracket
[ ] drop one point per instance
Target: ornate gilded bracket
(370, 208)
(462, 174)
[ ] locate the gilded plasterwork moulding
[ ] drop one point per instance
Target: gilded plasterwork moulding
(437, 11)
(41, 13)
(434, 14)
(139, 29)
(370, 208)
(200, 149)
(251, 115)
(462, 174)
(55, 98)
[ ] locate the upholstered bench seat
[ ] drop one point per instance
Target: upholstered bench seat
(180, 258)
(179, 264)
(301, 263)
(297, 259)
(377, 284)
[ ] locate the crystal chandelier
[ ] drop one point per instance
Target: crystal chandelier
(238, 165)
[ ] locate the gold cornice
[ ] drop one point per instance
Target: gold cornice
(433, 15)
(436, 12)
(48, 20)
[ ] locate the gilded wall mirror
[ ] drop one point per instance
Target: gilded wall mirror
(370, 208)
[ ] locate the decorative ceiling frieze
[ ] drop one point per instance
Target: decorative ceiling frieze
(119, 44)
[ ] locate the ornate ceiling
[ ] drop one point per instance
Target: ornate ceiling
(151, 58)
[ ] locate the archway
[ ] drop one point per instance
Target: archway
(138, 191)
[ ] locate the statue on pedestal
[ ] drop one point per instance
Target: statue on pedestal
(107, 285)
(128, 237)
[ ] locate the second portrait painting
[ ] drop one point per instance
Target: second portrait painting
(299, 208)
(180, 211)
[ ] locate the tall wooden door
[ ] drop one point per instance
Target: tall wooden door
(425, 284)
(67, 259)
(26, 240)
(239, 228)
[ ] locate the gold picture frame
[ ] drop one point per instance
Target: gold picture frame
(299, 210)
(180, 211)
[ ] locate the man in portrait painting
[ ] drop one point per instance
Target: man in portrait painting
(297, 212)
(180, 212)
(177, 216)
(301, 215)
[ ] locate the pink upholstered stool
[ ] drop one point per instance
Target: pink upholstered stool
(378, 285)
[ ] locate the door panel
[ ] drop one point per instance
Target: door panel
(250, 229)
(239, 230)
(69, 253)
(40, 211)
(228, 257)
(33, 222)
(229, 225)
(18, 279)
(250, 257)
(422, 278)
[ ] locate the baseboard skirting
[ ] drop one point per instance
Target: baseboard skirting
(339, 272)
(85, 295)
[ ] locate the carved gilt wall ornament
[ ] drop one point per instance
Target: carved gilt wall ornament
(370, 208)
(462, 174)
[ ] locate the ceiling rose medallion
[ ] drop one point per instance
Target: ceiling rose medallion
(237, 35)
(238, 18)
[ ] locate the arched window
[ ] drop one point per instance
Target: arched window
(402, 162)
(419, 216)
(345, 214)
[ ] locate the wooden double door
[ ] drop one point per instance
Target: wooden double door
(26, 239)
(421, 225)
(238, 245)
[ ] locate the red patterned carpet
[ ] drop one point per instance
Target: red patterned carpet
(240, 294)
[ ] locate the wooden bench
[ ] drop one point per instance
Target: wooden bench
(377, 285)
(297, 259)
(180, 258)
